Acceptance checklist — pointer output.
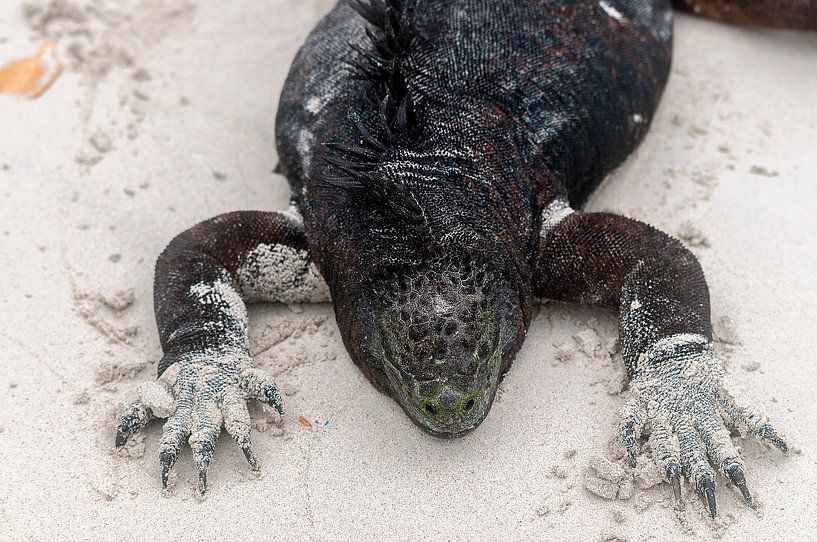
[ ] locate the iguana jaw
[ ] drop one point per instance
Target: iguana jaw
(452, 426)
(449, 410)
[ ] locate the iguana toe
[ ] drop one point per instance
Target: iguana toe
(198, 394)
(135, 417)
(688, 403)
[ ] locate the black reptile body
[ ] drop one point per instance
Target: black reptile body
(439, 153)
(514, 104)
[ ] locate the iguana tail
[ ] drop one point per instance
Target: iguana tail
(793, 14)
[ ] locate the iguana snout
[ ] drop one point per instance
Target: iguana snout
(452, 412)
(441, 331)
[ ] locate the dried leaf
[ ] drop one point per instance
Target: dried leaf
(31, 76)
(303, 421)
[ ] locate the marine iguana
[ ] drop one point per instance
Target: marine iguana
(439, 153)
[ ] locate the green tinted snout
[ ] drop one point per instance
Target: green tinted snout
(452, 411)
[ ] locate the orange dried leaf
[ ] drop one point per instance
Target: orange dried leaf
(33, 75)
(303, 421)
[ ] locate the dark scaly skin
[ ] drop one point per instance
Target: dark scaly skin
(530, 113)
(796, 14)
(434, 149)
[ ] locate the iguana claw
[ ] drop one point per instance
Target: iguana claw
(674, 477)
(135, 417)
(735, 474)
(198, 394)
(707, 490)
(167, 460)
(251, 458)
(687, 401)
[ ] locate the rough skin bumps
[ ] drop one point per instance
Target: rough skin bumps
(439, 153)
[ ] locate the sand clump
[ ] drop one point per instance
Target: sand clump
(726, 332)
(763, 171)
(554, 505)
(619, 516)
(559, 471)
(101, 141)
(107, 488)
(726, 336)
(89, 306)
(646, 473)
(607, 479)
(692, 235)
(564, 354)
(119, 300)
(589, 343)
(110, 373)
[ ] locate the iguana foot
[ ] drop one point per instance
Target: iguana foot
(682, 393)
(198, 393)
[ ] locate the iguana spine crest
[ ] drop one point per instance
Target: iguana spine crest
(379, 66)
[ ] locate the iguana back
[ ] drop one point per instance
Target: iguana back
(514, 101)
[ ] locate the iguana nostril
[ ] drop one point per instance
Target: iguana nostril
(450, 403)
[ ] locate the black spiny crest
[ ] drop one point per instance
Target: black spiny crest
(390, 33)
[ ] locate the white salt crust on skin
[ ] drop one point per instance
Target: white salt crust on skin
(631, 321)
(325, 91)
(275, 272)
(551, 129)
(314, 105)
(556, 211)
(612, 12)
(221, 293)
(293, 214)
(441, 306)
(306, 139)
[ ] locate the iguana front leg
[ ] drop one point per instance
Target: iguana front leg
(678, 387)
(203, 279)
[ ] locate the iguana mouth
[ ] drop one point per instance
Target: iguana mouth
(447, 407)
(447, 411)
(453, 418)
(440, 338)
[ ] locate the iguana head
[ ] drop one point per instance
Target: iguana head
(444, 333)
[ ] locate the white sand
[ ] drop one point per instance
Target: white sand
(105, 168)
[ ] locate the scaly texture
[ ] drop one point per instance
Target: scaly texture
(439, 152)
(799, 14)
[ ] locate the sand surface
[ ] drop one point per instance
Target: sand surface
(164, 116)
